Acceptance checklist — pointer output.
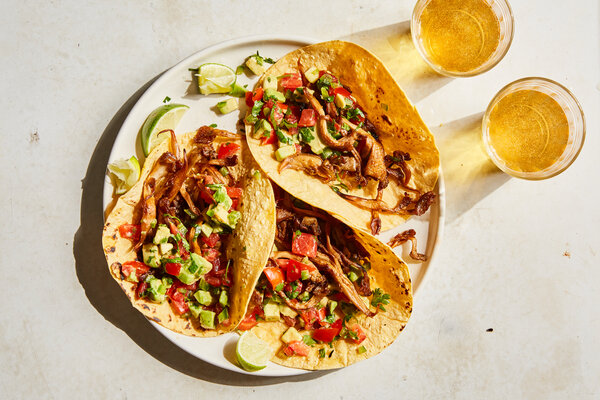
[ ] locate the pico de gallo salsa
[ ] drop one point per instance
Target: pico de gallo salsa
(316, 125)
(189, 209)
(316, 280)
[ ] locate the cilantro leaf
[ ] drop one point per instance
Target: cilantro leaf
(380, 298)
(308, 340)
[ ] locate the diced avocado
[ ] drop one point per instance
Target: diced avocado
(262, 127)
(207, 319)
(233, 218)
(254, 66)
(165, 248)
(322, 303)
(203, 297)
(273, 94)
(223, 298)
(223, 315)
(352, 276)
(312, 74)
(304, 275)
(195, 309)
(186, 276)
(237, 91)
(132, 277)
(332, 305)
(326, 153)
(150, 255)
(291, 335)
(270, 82)
(298, 95)
(284, 152)
(340, 101)
(220, 195)
(316, 145)
(206, 229)
(203, 285)
(204, 266)
(271, 312)
(227, 106)
(157, 288)
(219, 213)
(162, 234)
(287, 311)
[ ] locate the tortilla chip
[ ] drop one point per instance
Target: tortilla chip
(248, 248)
(396, 121)
(389, 273)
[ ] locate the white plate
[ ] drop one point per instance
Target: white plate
(176, 83)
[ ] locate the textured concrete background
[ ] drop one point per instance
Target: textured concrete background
(519, 257)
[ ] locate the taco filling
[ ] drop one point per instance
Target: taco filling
(316, 280)
(316, 126)
(189, 208)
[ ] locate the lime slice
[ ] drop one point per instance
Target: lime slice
(126, 173)
(215, 78)
(252, 353)
(164, 117)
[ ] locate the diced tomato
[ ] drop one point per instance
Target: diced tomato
(227, 150)
(277, 113)
(213, 280)
(234, 204)
(274, 275)
(258, 94)
(210, 254)
(249, 101)
(180, 285)
(359, 333)
(184, 253)
(140, 289)
(269, 140)
(234, 192)
(247, 323)
(308, 118)
(312, 316)
(339, 296)
(206, 195)
(292, 117)
(293, 271)
(134, 266)
(328, 334)
(290, 291)
(178, 302)
(304, 245)
(130, 231)
(291, 81)
(210, 241)
(296, 347)
(339, 90)
(173, 268)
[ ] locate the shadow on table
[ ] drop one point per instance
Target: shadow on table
(108, 299)
(468, 172)
(394, 46)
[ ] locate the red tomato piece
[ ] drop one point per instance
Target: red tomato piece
(227, 150)
(234, 192)
(178, 302)
(296, 347)
(291, 81)
(269, 140)
(249, 101)
(304, 245)
(302, 266)
(140, 289)
(130, 266)
(339, 90)
(277, 113)
(210, 241)
(248, 323)
(213, 280)
(307, 118)
(206, 195)
(130, 231)
(293, 272)
(210, 254)
(258, 94)
(361, 336)
(274, 275)
(234, 204)
(328, 334)
(339, 296)
(311, 316)
(173, 268)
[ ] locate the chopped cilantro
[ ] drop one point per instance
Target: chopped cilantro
(297, 233)
(253, 116)
(306, 135)
(321, 353)
(166, 99)
(380, 298)
(190, 213)
(308, 340)
(213, 125)
(279, 287)
(283, 138)
(239, 70)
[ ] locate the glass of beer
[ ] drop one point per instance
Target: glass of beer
(460, 38)
(534, 128)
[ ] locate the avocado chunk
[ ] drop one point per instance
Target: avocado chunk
(254, 66)
(204, 297)
(200, 264)
(312, 74)
(165, 248)
(262, 128)
(273, 94)
(150, 255)
(291, 335)
(157, 289)
(271, 312)
(194, 309)
(227, 106)
(332, 305)
(207, 319)
(270, 82)
(287, 311)
(223, 315)
(185, 276)
(223, 298)
(162, 234)
(285, 151)
(206, 229)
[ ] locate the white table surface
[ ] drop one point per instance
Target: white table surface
(519, 257)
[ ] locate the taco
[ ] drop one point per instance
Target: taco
(187, 239)
(329, 124)
(329, 295)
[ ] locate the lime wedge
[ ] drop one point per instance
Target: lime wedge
(164, 117)
(252, 353)
(126, 173)
(215, 78)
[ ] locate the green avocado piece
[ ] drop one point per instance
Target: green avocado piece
(157, 289)
(207, 319)
(204, 297)
(273, 94)
(194, 309)
(162, 234)
(151, 255)
(223, 315)
(223, 298)
(202, 264)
